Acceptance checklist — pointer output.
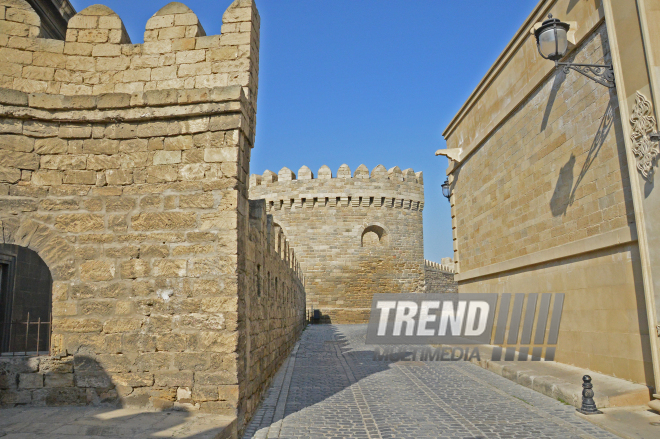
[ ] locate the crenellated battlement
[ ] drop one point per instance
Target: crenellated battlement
(381, 188)
(344, 172)
(430, 265)
(98, 57)
(277, 245)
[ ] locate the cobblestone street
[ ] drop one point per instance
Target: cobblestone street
(330, 387)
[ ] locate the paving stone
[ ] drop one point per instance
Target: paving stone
(331, 387)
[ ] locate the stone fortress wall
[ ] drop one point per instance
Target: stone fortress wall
(125, 167)
(439, 278)
(354, 234)
(275, 300)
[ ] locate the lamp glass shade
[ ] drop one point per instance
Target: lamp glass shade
(552, 38)
(445, 189)
(553, 43)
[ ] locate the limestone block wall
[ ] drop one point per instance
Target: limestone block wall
(125, 168)
(603, 326)
(354, 234)
(550, 175)
(98, 57)
(276, 295)
(439, 278)
(544, 204)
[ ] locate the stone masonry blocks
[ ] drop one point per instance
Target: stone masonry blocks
(127, 173)
(326, 220)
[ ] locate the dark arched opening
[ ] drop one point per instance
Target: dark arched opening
(25, 302)
(374, 236)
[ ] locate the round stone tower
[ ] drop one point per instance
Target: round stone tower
(354, 234)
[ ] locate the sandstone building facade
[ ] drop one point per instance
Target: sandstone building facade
(355, 234)
(551, 192)
(124, 167)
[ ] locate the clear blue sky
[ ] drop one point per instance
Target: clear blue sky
(362, 81)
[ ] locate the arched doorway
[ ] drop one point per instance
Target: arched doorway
(25, 302)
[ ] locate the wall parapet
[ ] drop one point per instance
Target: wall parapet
(361, 173)
(98, 58)
(277, 245)
(440, 267)
(379, 189)
(275, 299)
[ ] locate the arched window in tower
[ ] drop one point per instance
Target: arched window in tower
(374, 236)
(25, 301)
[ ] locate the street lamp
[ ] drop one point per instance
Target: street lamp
(552, 43)
(446, 191)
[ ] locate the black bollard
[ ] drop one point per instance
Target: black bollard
(588, 403)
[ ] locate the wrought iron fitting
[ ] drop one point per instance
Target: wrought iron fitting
(602, 74)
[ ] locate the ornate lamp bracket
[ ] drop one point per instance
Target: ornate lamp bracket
(602, 74)
(643, 138)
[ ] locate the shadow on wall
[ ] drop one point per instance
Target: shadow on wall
(565, 190)
(560, 76)
(33, 391)
(571, 5)
(561, 198)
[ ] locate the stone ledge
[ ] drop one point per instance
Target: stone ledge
(613, 238)
(152, 98)
(564, 382)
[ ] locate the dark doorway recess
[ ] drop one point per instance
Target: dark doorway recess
(25, 302)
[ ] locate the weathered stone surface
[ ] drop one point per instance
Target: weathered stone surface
(174, 379)
(30, 381)
(205, 200)
(135, 268)
(215, 155)
(164, 221)
(134, 379)
(167, 157)
(153, 361)
(51, 145)
(21, 160)
(9, 175)
(92, 379)
(77, 325)
(50, 204)
(170, 268)
(100, 146)
(97, 270)
(119, 177)
(122, 325)
(205, 393)
(13, 142)
(79, 222)
(59, 380)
